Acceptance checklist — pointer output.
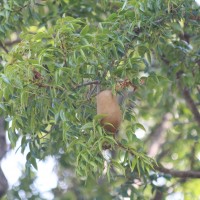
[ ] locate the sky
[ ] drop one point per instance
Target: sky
(14, 162)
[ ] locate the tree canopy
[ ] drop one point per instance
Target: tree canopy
(56, 55)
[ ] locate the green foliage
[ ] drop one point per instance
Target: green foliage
(48, 66)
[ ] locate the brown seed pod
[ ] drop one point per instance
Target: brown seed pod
(107, 105)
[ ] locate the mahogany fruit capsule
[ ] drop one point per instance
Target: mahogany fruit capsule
(107, 105)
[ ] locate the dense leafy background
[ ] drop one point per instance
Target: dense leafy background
(51, 48)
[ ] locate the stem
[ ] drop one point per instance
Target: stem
(87, 83)
(159, 167)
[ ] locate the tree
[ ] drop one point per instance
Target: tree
(62, 52)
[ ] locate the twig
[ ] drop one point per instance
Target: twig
(186, 94)
(3, 145)
(44, 136)
(11, 43)
(177, 173)
(87, 83)
(161, 168)
(49, 86)
(3, 150)
(198, 88)
(166, 151)
(3, 47)
(157, 138)
(192, 155)
(3, 183)
(64, 53)
(158, 195)
(191, 104)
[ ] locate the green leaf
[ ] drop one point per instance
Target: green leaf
(33, 162)
(118, 166)
(89, 125)
(138, 125)
(85, 30)
(62, 115)
(99, 117)
(138, 167)
(5, 78)
(133, 163)
(13, 137)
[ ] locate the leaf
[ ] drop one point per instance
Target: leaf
(62, 115)
(5, 78)
(99, 117)
(13, 137)
(85, 30)
(83, 55)
(138, 167)
(89, 125)
(133, 164)
(111, 17)
(142, 50)
(124, 5)
(138, 125)
(108, 172)
(2, 107)
(33, 162)
(111, 139)
(99, 129)
(118, 166)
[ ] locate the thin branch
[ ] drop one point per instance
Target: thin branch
(42, 85)
(22, 7)
(157, 138)
(166, 151)
(3, 47)
(159, 195)
(177, 173)
(64, 53)
(191, 104)
(192, 156)
(49, 86)
(159, 167)
(87, 83)
(3, 150)
(43, 136)
(3, 183)
(11, 43)
(198, 88)
(3, 145)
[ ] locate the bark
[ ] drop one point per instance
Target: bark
(158, 195)
(158, 136)
(188, 98)
(3, 149)
(178, 173)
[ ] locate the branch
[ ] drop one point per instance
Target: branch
(166, 151)
(3, 148)
(191, 104)
(177, 173)
(3, 47)
(160, 168)
(11, 43)
(3, 184)
(158, 196)
(157, 138)
(3, 145)
(87, 83)
(49, 86)
(192, 156)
